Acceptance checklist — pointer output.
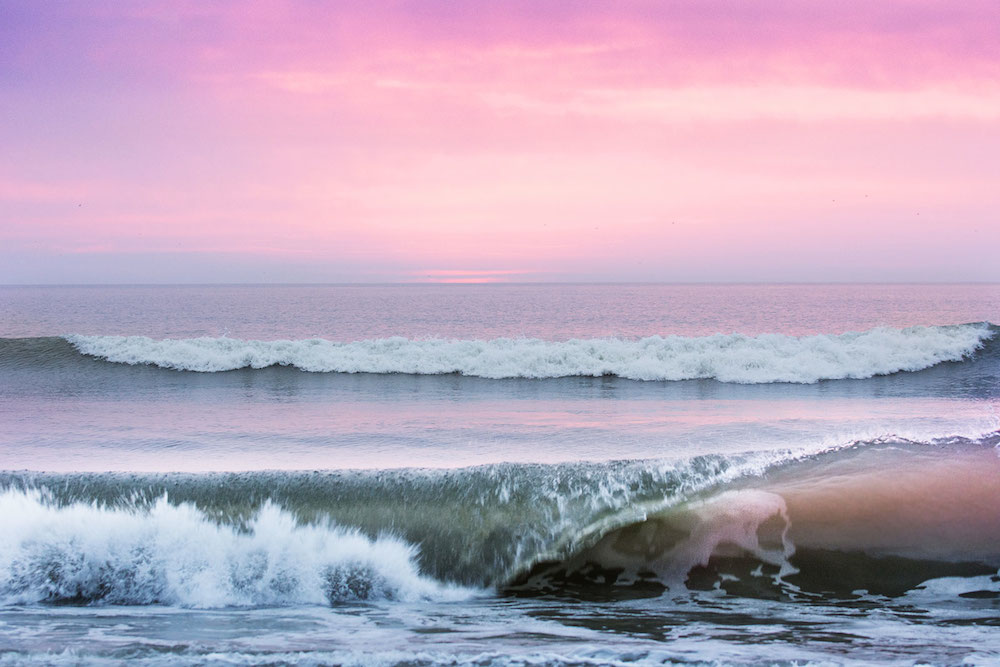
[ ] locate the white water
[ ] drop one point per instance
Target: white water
(726, 357)
(175, 555)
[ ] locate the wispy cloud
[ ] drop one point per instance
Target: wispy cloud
(633, 139)
(734, 103)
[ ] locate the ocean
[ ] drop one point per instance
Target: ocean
(531, 474)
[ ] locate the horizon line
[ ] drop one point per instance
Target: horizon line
(520, 283)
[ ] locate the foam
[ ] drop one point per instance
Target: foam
(274, 538)
(727, 357)
(173, 554)
(477, 526)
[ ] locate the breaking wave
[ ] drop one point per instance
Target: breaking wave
(883, 516)
(175, 554)
(734, 358)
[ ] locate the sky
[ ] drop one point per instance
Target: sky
(496, 141)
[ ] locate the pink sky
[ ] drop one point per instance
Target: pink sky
(499, 141)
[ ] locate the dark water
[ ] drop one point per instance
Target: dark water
(500, 474)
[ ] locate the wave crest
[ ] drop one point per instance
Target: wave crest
(879, 515)
(726, 357)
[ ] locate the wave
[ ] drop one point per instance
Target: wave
(882, 516)
(733, 358)
(174, 554)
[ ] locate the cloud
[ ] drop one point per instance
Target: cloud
(734, 103)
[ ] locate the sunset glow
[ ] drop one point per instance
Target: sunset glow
(499, 141)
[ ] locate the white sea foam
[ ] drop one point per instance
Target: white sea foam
(726, 357)
(173, 554)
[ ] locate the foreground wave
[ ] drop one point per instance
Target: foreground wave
(729, 358)
(826, 523)
(172, 554)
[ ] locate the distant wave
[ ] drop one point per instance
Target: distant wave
(734, 358)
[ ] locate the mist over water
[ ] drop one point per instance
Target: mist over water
(500, 474)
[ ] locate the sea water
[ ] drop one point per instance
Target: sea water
(512, 474)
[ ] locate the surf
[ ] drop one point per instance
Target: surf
(879, 518)
(176, 555)
(883, 516)
(733, 358)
